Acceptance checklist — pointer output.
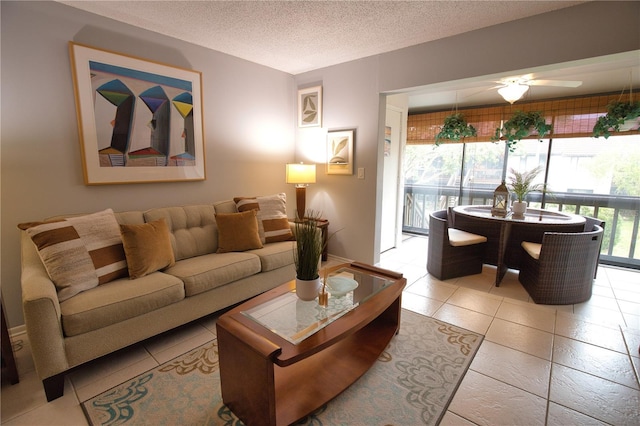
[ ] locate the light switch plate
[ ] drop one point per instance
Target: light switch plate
(360, 172)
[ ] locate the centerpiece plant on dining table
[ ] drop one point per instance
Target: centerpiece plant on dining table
(521, 184)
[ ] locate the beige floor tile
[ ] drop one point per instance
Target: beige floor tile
(64, 411)
(595, 360)
(480, 282)
(476, 301)
(486, 401)
(607, 336)
(599, 302)
(632, 321)
(513, 367)
(595, 397)
(176, 342)
(597, 314)
(632, 340)
(530, 315)
(25, 396)
(625, 282)
(511, 289)
(629, 296)
(522, 338)
(420, 304)
(106, 382)
(451, 419)
(603, 290)
(628, 307)
(433, 289)
(464, 318)
(563, 416)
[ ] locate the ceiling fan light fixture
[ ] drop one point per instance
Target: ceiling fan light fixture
(513, 92)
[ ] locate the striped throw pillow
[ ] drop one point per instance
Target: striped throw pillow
(81, 252)
(273, 224)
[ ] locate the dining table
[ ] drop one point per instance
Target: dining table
(506, 233)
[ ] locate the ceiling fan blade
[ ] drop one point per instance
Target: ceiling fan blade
(557, 83)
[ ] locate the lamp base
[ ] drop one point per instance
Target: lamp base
(301, 196)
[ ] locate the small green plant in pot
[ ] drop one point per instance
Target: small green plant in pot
(306, 255)
(519, 126)
(618, 115)
(521, 184)
(455, 128)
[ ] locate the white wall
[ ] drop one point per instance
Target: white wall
(248, 125)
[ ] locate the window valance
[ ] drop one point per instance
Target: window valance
(571, 117)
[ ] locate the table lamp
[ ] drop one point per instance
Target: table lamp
(301, 175)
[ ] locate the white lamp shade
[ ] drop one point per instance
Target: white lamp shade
(513, 92)
(301, 173)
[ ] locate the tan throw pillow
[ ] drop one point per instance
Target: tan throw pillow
(148, 247)
(238, 232)
(80, 252)
(273, 224)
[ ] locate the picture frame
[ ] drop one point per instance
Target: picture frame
(340, 152)
(310, 107)
(139, 121)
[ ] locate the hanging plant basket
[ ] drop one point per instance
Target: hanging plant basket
(521, 125)
(455, 128)
(620, 117)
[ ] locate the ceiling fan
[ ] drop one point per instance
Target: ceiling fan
(513, 88)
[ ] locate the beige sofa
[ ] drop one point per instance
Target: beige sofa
(100, 320)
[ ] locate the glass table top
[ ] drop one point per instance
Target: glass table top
(295, 320)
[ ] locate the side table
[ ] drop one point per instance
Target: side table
(9, 369)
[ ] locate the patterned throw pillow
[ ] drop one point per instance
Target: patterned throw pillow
(81, 252)
(273, 223)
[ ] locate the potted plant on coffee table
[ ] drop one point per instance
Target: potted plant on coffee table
(620, 117)
(455, 128)
(521, 184)
(306, 255)
(519, 126)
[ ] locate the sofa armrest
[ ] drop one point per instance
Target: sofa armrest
(42, 314)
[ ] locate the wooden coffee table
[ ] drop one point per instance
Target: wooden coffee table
(277, 365)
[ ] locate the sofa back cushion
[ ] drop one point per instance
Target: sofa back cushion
(193, 229)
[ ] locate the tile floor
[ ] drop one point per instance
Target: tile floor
(553, 365)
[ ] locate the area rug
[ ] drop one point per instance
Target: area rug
(412, 383)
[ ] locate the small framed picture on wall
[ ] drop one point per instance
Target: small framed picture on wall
(340, 152)
(310, 107)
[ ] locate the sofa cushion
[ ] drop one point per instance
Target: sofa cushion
(275, 255)
(147, 247)
(193, 229)
(238, 232)
(209, 271)
(272, 216)
(118, 301)
(80, 252)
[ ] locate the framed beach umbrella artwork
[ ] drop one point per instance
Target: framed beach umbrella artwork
(138, 121)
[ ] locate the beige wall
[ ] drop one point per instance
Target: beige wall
(249, 114)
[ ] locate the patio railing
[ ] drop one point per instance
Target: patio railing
(621, 215)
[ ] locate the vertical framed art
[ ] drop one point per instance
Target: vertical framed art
(138, 121)
(310, 107)
(340, 152)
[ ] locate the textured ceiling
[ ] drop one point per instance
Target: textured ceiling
(299, 36)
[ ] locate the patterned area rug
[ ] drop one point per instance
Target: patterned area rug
(412, 382)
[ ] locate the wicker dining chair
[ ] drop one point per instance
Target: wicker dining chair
(560, 271)
(452, 253)
(588, 226)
